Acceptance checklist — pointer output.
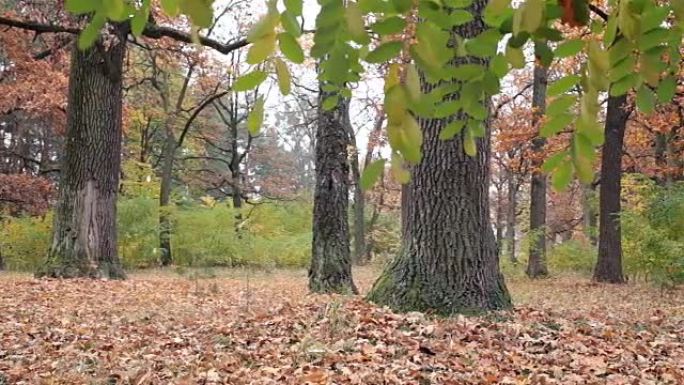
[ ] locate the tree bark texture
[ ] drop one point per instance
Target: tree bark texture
(448, 261)
(609, 264)
(330, 270)
(84, 236)
(536, 262)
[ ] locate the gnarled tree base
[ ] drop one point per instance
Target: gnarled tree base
(406, 286)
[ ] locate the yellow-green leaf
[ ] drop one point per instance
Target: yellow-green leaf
(290, 47)
(372, 174)
(283, 76)
(355, 24)
(256, 117)
(249, 81)
(261, 49)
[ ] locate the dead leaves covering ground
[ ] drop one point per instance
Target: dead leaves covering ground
(264, 329)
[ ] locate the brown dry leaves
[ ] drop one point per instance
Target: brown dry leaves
(264, 329)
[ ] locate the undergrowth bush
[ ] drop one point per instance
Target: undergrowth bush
(653, 235)
(268, 235)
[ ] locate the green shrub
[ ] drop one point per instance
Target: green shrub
(653, 237)
(24, 241)
(577, 256)
(269, 235)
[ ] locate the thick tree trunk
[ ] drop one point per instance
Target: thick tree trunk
(330, 270)
(536, 263)
(448, 261)
(165, 198)
(84, 234)
(511, 211)
(609, 264)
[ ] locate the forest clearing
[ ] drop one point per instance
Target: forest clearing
(242, 327)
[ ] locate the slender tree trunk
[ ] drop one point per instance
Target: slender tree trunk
(330, 270)
(511, 211)
(536, 263)
(499, 219)
(609, 264)
(448, 261)
(84, 234)
(359, 213)
(165, 226)
(589, 213)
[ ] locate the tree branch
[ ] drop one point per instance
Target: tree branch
(152, 31)
(194, 115)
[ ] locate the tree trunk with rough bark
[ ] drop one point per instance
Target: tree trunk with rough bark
(330, 270)
(448, 261)
(84, 234)
(609, 264)
(536, 262)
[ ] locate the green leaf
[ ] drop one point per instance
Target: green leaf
(654, 18)
(554, 161)
(497, 7)
(331, 102)
(115, 9)
(294, 7)
(452, 129)
(91, 32)
(469, 145)
(140, 18)
(555, 125)
(653, 38)
(412, 137)
(569, 48)
(561, 104)
(562, 176)
(79, 7)
(171, 7)
(515, 57)
(460, 17)
(265, 26)
(249, 81)
(623, 85)
(402, 6)
(458, 3)
(499, 66)
(532, 15)
(355, 24)
(261, 49)
(466, 71)
(645, 99)
(290, 23)
(666, 89)
(611, 31)
(371, 174)
(256, 117)
(368, 6)
(389, 26)
(563, 85)
(385, 52)
(284, 78)
(413, 82)
(201, 12)
(401, 174)
(290, 47)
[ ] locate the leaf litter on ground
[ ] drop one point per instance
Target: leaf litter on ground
(266, 329)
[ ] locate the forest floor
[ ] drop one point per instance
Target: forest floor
(244, 327)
